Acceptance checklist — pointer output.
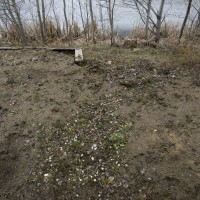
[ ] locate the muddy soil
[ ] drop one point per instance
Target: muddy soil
(97, 131)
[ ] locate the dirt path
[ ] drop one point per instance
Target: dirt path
(97, 131)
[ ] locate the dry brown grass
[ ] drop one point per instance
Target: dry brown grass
(138, 32)
(53, 32)
(168, 31)
(9, 35)
(56, 36)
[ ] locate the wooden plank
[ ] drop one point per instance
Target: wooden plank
(62, 49)
(10, 48)
(78, 55)
(20, 48)
(39, 48)
(35, 48)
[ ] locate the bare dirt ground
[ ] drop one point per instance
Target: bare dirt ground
(120, 130)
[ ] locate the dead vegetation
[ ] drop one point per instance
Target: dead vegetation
(136, 39)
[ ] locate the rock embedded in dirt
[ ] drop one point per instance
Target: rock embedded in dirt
(34, 59)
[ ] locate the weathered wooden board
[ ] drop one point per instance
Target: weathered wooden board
(10, 48)
(78, 55)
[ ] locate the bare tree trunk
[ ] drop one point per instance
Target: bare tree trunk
(159, 20)
(11, 16)
(68, 28)
(92, 21)
(72, 13)
(82, 19)
(44, 21)
(22, 32)
(185, 20)
(81, 12)
(198, 19)
(87, 18)
(110, 8)
(112, 23)
(66, 19)
(57, 20)
(147, 20)
(40, 22)
(101, 20)
(14, 16)
(152, 16)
